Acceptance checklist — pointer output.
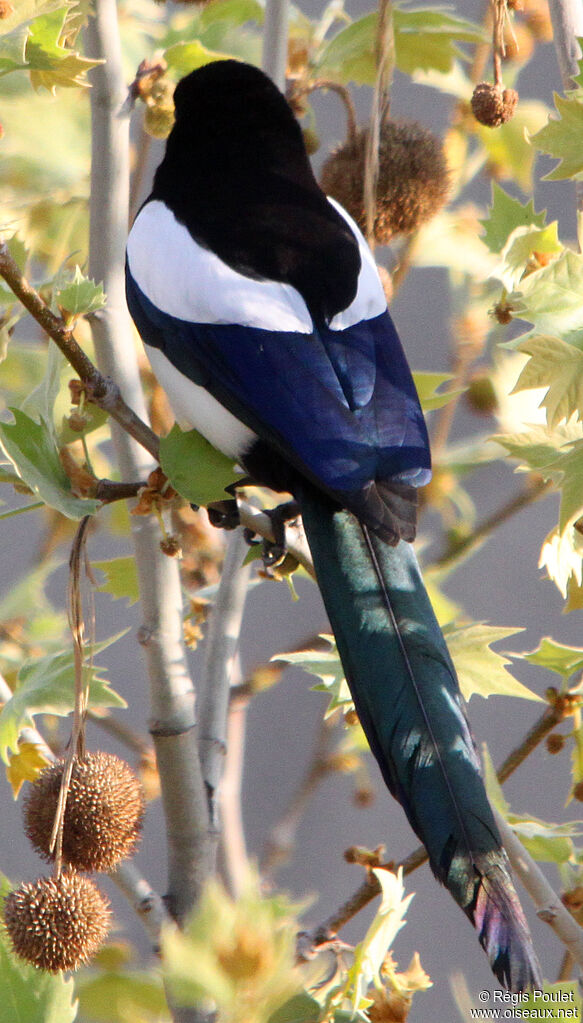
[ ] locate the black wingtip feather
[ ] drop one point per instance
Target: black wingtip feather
(503, 931)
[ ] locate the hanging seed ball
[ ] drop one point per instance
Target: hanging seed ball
(103, 816)
(57, 923)
(492, 105)
(413, 181)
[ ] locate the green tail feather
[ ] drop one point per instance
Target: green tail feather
(408, 700)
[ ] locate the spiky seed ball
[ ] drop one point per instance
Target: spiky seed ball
(492, 105)
(103, 816)
(413, 181)
(57, 923)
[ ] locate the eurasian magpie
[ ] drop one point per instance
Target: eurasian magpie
(265, 321)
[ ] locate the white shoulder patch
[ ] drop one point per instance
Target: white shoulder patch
(185, 280)
(369, 300)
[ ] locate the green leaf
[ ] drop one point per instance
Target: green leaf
(552, 298)
(425, 40)
(546, 842)
(31, 449)
(558, 366)
(195, 468)
(554, 1000)
(49, 62)
(183, 58)
(235, 12)
(46, 685)
(31, 996)
(480, 669)
(14, 31)
(559, 658)
(428, 385)
(79, 295)
(19, 253)
(299, 1009)
(504, 215)
(538, 447)
(370, 954)
(121, 578)
(567, 473)
(561, 138)
(325, 665)
(238, 954)
(39, 403)
(349, 56)
(520, 247)
(122, 996)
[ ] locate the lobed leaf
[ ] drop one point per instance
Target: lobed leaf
(504, 215)
(46, 685)
(480, 669)
(32, 450)
(561, 138)
(558, 366)
(195, 468)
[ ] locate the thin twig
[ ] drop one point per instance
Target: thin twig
(274, 54)
(549, 906)
(100, 390)
(233, 848)
(281, 840)
(327, 85)
(222, 644)
(535, 490)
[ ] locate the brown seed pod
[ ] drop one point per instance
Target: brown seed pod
(413, 180)
(103, 816)
(492, 105)
(57, 923)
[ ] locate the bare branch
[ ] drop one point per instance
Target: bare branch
(172, 721)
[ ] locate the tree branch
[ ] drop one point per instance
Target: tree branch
(549, 906)
(172, 718)
(222, 643)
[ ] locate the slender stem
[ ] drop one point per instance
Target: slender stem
(341, 90)
(274, 55)
(515, 504)
(567, 22)
(281, 840)
(233, 846)
(100, 390)
(222, 644)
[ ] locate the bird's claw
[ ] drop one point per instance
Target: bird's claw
(224, 514)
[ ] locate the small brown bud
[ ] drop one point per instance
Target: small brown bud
(170, 546)
(492, 105)
(503, 313)
(555, 742)
(78, 422)
(480, 395)
(57, 923)
(6, 9)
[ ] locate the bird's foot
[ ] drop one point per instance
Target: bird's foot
(224, 514)
(275, 550)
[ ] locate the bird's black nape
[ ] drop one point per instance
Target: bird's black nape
(237, 175)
